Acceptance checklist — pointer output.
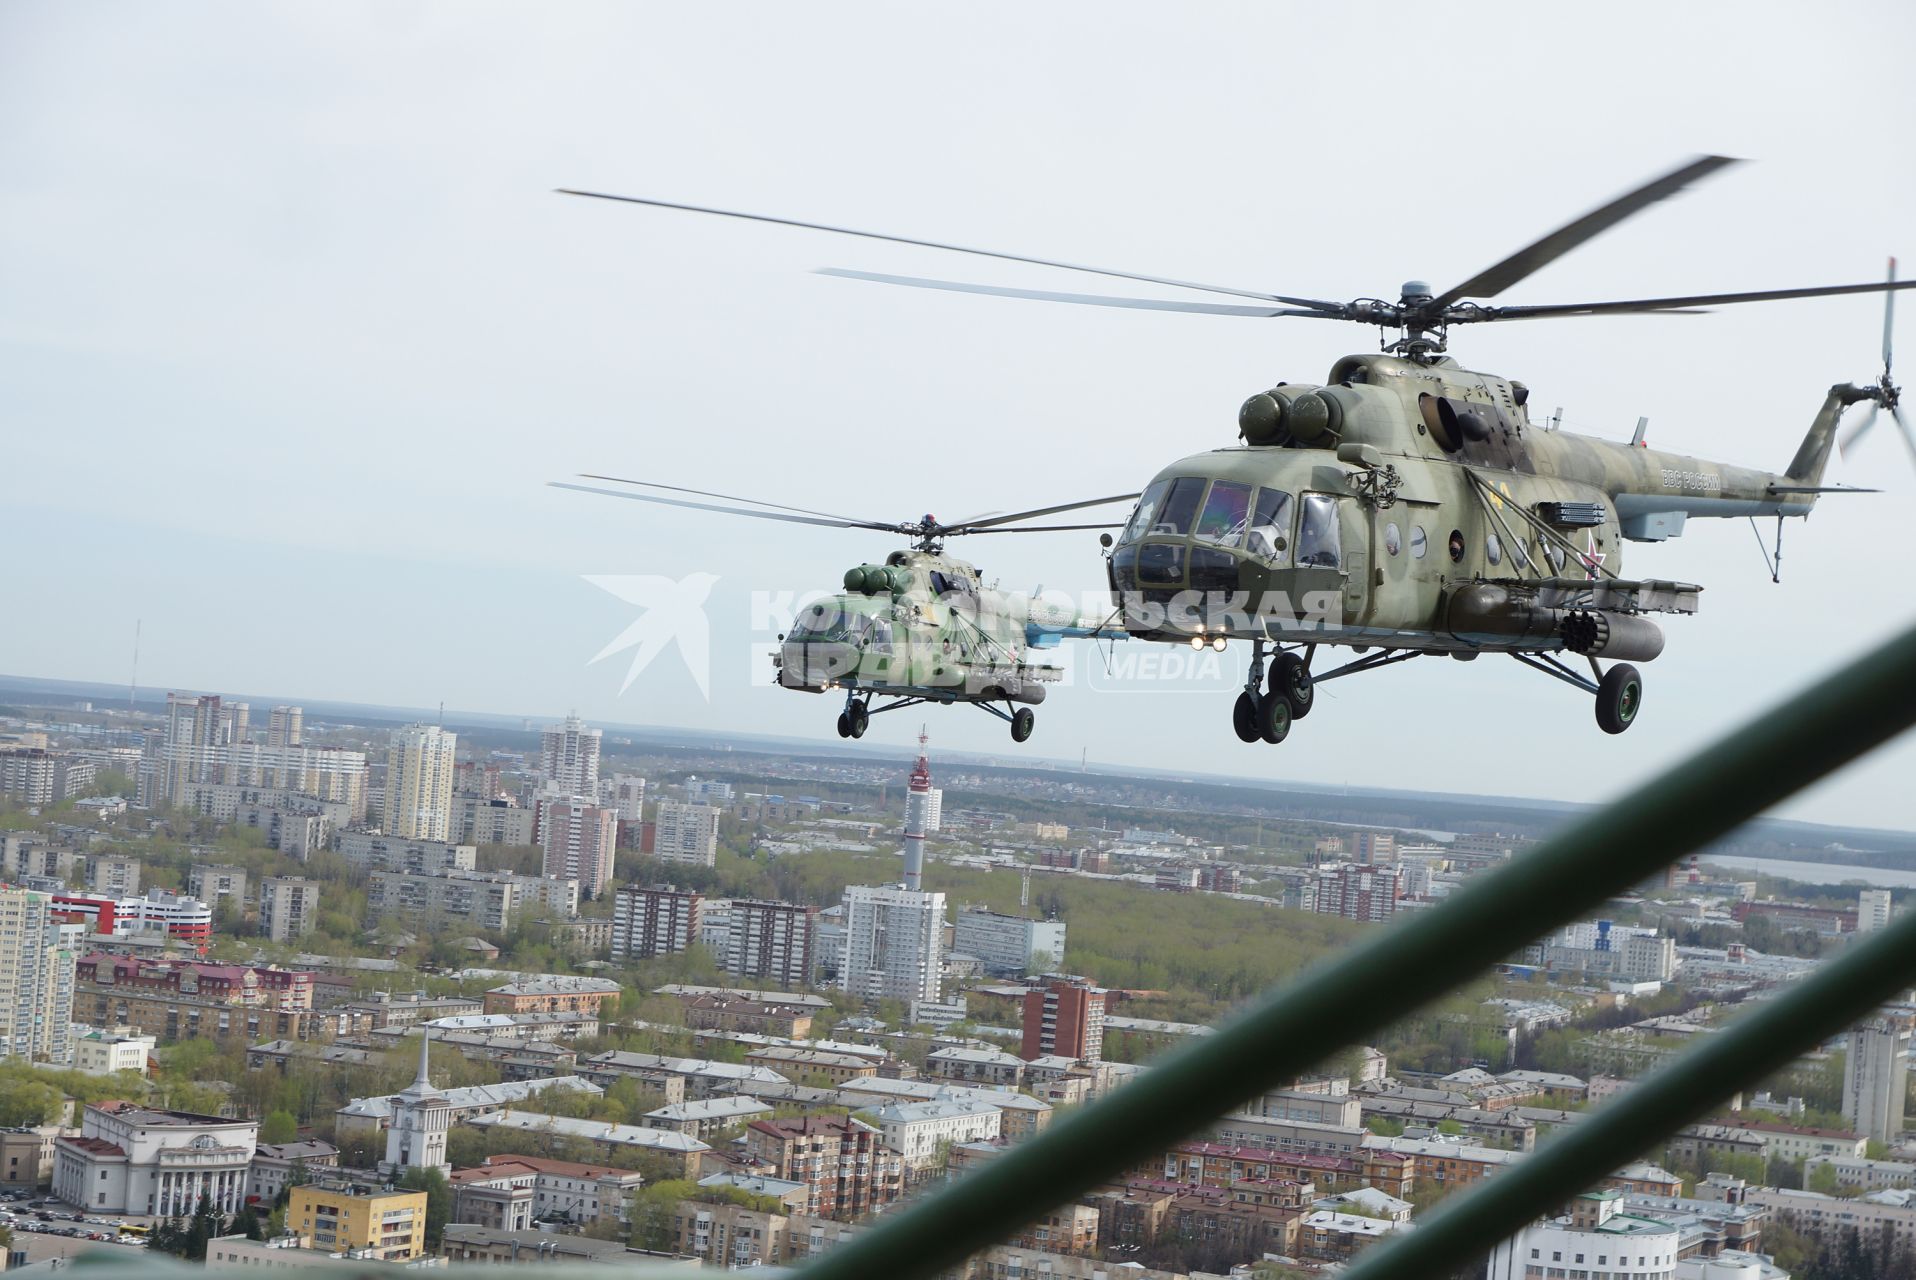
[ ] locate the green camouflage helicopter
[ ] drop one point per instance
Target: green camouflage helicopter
(923, 627)
(1409, 507)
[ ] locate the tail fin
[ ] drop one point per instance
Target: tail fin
(1806, 468)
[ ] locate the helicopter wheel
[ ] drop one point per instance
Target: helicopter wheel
(1291, 681)
(857, 718)
(1273, 719)
(1619, 698)
(1023, 721)
(844, 725)
(1244, 718)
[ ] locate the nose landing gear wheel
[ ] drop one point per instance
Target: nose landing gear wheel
(1023, 721)
(844, 725)
(1291, 680)
(1619, 698)
(857, 718)
(1273, 719)
(1244, 718)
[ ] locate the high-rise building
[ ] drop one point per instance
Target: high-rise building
(626, 793)
(288, 907)
(37, 960)
(1064, 1017)
(580, 841)
(1358, 892)
(1876, 1076)
(236, 723)
(1006, 945)
(894, 942)
(114, 875)
(655, 920)
(419, 765)
(35, 775)
(569, 759)
(1872, 910)
(772, 942)
(1373, 849)
(285, 726)
(686, 833)
(210, 884)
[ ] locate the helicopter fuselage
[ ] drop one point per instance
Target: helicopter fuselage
(1415, 506)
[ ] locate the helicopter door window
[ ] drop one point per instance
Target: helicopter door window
(1221, 523)
(1419, 542)
(1270, 533)
(1319, 545)
(1180, 506)
(1494, 549)
(1393, 539)
(1147, 513)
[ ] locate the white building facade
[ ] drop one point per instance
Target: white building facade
(134, 1159)
(894, 943)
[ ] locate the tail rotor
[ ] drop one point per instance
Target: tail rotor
(1885, 394)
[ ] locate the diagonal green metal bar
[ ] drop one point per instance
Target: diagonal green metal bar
(1344, 999)
(1688, 1086)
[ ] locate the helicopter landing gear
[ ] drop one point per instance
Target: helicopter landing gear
(1619, 696)
(1273, 719)
(1291, 681)
(1023, 721)
(1264, 714)
(854, 719)
(1619, 691)
(1244, 718)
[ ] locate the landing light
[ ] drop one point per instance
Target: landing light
(1197, 642)
(1218, 643)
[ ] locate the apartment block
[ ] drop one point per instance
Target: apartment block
(655, 920)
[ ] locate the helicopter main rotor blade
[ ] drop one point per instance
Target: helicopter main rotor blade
(1035, 528)
(725, 497)
(950, 248)
(1492, 281)
(830, 523)
(1850, 437)
(1082, 299)
(979, 525)
(1550, 311)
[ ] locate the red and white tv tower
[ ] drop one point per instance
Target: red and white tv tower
(917, 817)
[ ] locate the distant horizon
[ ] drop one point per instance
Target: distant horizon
(98, 691)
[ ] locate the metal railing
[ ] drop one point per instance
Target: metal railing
(1342, 1001)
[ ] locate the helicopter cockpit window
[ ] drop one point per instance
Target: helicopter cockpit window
(1147, 513)
(819, 622)
(1270, 533)
(1222, 521)
(1318, 542)
(1179, 507)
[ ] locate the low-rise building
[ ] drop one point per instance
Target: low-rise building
(351, 1218)
(553, 995)
(722, 1013)
(682, 1150)
(707, 1116)
(133, 1159)
(697, 1077)
(809, 1065)
(373, 1116)
(1597, 1235)
(102, 1053)
(1857, 1173)
(922, 1132)
(276, 1163)
(992, 1068)
(511, 1193)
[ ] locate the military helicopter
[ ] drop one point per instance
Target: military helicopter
(922, 627)
(1408, 507)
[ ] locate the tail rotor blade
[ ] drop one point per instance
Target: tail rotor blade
(1889, 320)
(1855, 433)
(1902, 424)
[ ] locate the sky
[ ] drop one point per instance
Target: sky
(294, 331)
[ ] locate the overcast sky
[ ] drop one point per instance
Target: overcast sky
(293, 331)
